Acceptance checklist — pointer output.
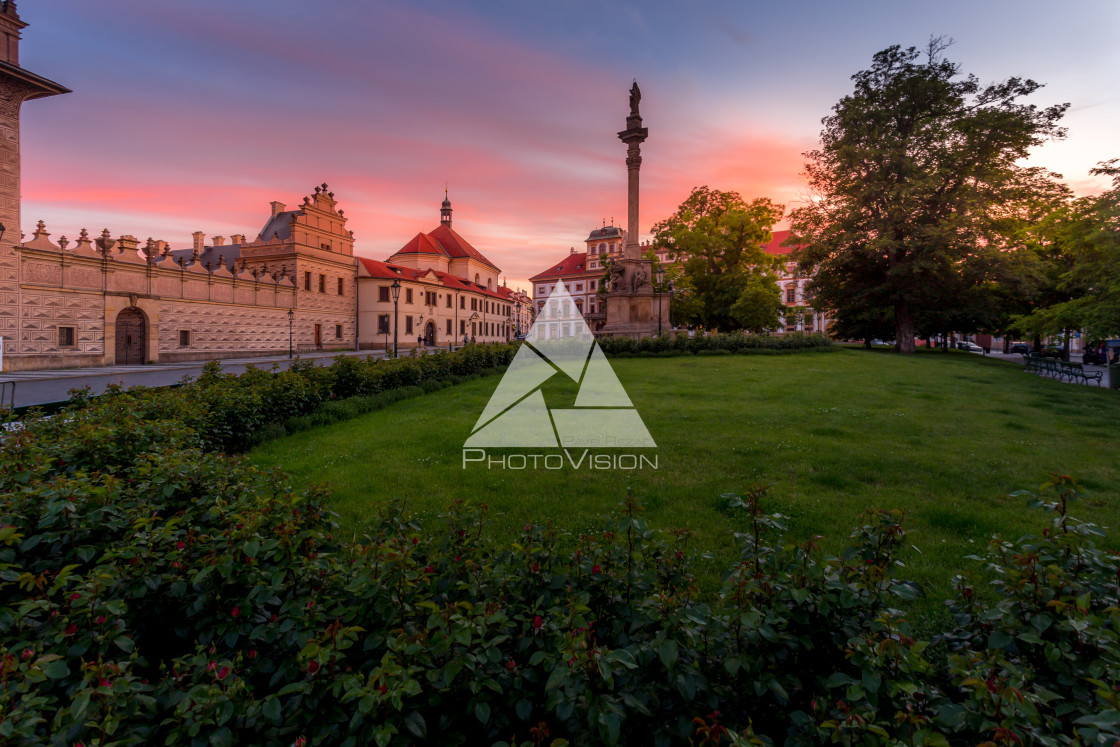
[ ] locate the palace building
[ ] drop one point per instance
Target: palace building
(447, 293)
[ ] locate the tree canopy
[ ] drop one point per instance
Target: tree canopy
(726, 279)
(910, 187)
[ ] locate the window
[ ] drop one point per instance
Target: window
(430, 298)
(338, 331)
(326, 247)
(791, 295)
(462, 302)
(383, 294)
(449, 326)
(66, 337)
(579, 286)
(383, 324)
(322, 283)
(462, 327)
(408, 295)
(408, 325)
(307, 281)
(449, 300)
(184, 338)
(340, 286)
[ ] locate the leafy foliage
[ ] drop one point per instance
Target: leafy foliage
(726, 281)
(911, 179)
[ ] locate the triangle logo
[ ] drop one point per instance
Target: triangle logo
(559, 342)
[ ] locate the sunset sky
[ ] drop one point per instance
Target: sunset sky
(192, 116)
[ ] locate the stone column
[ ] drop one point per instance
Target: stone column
(634, 135)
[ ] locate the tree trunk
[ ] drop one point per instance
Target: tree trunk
(1038, 343)
(903, 329)
(867, 342)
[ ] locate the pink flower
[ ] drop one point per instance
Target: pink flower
(75, 596)
(301, 742)
(180, 545)
(28, 653)
(104, 683)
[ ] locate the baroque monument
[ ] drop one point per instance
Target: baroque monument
(631, 303)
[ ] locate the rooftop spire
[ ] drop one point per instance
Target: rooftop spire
(445, 210)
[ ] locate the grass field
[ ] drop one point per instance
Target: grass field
(946, 437)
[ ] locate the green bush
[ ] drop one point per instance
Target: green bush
(681, 344)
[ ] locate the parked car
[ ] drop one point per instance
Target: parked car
(1100, 352)
(971, 347)
(1021, 348)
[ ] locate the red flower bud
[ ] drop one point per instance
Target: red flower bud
(28, 653)
(235, 611)
(594, 569)
(252, 653)
(536, 567)
(75, 596)
(538, 621)
(312, 667)
(103, 683)
(100, 619)
(71, 629)
(180, 545)
(223, 673)
(429, 569)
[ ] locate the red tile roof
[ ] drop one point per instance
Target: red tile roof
(573, 264)
(444, 241)
(378, 269)
(775, 245)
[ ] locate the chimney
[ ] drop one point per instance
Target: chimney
(237, 238)
(10, 26)
(219, 240)
(573, 250)
(277, 208)
(199, 240)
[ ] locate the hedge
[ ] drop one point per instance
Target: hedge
(156, 591)
(707, 344)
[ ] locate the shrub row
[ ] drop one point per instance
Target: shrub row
(233, 412)
(730, 342)
(183, 598)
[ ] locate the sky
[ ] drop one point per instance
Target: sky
(194, 116)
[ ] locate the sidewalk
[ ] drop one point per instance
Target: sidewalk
(53, 385)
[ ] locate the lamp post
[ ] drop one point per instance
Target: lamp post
(518, 320)
(395, 288)
(660, 286)
(291, 316)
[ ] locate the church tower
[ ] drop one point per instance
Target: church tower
(16, 86)
(445, 211)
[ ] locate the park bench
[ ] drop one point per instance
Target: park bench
(1059, 369)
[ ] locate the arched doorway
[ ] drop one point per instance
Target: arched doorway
(131, 336)
(430, 334)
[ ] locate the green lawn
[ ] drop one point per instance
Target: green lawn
(946, 437)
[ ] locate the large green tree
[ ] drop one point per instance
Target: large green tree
(912, 167)
(1080, 267)
(726, 280)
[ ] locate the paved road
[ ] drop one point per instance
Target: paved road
(40, 387)
(1017, 358)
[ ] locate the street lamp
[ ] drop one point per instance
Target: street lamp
(509, 322)
(395, 288)
(291, 316)
(518, 335)
(660, 285)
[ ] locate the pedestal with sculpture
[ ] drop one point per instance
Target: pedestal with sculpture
(632, 306)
